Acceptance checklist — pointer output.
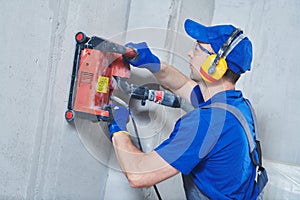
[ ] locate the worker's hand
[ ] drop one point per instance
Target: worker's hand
(144, 58)
(120, 119)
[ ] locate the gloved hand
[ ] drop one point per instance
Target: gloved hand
(120, 120)
(144, 57)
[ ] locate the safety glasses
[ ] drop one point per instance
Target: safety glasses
(202, 48)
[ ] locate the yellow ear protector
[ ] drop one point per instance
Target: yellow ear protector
(215, 66)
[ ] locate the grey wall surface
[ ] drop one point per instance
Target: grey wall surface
(43, 157)
(273, 83)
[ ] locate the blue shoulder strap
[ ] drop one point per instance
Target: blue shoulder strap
(238, 114)
(262, 177)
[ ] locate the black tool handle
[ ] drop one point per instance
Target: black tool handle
(165, 98)
(157, 96)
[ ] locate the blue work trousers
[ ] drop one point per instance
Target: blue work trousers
(192, 192)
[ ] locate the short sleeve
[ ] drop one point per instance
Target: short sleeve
(196, 97)
(181, 149)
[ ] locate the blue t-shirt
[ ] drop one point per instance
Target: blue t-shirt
(211, 146)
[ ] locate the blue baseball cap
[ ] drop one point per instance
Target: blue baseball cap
(238, 60)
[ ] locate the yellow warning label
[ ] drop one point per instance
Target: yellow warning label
(102, 84)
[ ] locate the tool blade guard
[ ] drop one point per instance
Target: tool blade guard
(96, 61)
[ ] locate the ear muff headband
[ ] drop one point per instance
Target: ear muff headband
(215, 66)
(225, 49)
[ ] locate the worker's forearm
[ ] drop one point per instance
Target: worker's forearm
(141, 170)
(132, 159)
(127, 154)
(175, 81)
(171, 78)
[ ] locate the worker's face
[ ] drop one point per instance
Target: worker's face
(197, 56)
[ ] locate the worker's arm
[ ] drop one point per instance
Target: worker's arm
(168, 76)
(141, 170)
(172, 79)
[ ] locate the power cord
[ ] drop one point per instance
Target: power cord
(141, 148)
(121, 102)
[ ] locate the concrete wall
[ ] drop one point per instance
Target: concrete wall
(272, 85)
(43, 157)
(273, 27)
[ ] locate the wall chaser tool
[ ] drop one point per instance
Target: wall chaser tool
(98, 69)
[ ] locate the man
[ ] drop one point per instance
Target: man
(208, 145)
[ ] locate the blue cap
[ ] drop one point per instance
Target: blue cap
(239, 59)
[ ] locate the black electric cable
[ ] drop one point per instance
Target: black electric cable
(120, 101)
(157, 192)
(141, 148)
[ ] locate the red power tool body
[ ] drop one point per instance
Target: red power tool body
(96, 61)
(98, 69)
